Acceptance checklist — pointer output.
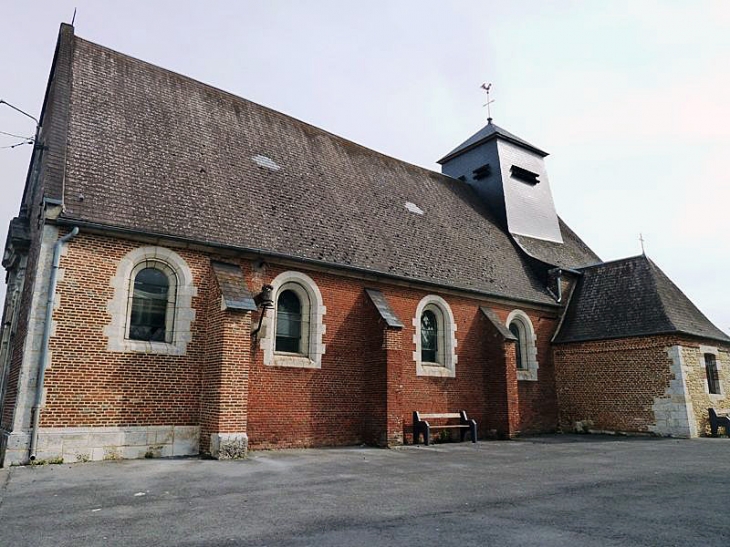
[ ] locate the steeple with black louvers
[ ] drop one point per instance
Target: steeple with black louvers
(509, 174)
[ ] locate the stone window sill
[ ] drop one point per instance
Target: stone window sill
(152, 348)
(434, 369)
(293, 360)
(527, 375)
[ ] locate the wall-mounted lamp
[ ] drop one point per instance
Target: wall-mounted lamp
(265, 301)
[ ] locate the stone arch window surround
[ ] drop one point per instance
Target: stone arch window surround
(313, 311)
(527, 344)
(446, 358)
(180, 313)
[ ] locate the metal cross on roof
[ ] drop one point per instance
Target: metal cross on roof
(487, 87)
(641, 241)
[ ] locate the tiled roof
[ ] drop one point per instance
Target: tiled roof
(572, 253)
(631, 297)
(155, 152)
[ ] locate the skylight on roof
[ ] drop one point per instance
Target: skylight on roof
(263, 161)
(413, 208)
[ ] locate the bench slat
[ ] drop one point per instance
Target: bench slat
(449, 415)
(449, 426)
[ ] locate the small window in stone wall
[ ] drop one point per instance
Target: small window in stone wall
(713, 379)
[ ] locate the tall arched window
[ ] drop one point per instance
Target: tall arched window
(293, 332)
(149, 311)
(520, 325)
(434, 338)
(289, 322)
(518, 330)
(429, 337)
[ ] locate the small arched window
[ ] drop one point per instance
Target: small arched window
(434, 338)
(520, 326)
(150, 297)
(518, 330)
(429, 337)
(289, 322)
(293, 333)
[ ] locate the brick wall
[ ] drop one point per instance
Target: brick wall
(365, 390)
(90, 386)
(613, 384)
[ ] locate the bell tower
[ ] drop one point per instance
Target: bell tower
(509, 174)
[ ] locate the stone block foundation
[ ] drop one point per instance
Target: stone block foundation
(80, 444)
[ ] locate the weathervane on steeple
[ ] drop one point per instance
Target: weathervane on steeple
(487, 87)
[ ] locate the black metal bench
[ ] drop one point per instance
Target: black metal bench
(421, 426)
(719, 418)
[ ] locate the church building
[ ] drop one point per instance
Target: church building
(193, 273)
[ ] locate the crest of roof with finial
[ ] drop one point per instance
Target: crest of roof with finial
(487, 133)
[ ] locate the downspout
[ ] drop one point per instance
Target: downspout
(558, 273)
(46, 337)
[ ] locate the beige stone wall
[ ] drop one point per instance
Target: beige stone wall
(696, 379)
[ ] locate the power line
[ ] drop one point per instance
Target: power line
(29, 141)
(14, 135)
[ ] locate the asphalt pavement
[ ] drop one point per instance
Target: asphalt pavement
(548, 491)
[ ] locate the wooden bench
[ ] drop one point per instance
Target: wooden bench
(421, 426)
(719, 418)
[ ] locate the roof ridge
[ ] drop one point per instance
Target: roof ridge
(614, 261)
(653, 281)
(267, 108)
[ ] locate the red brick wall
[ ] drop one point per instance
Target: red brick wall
(89, 386)
(538, 402)
(612, 383)
(344, 402)
(224, 369)
(339, 396)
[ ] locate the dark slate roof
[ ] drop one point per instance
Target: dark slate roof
(155, 152)
(487, 133)
(498, 325)
(572, 253)
(631, 297)
(232, 283)
(384, 309)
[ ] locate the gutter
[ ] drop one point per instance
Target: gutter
(46, 337)
(374, 274)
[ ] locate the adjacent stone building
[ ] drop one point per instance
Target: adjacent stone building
(190, 272)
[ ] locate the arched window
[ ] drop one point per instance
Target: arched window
(294, 329)
(435, 341)
(152, 308)
(152, 302)
(518, 329)
(150, 297)
(429, 337)
(520, 325)
(289, 322)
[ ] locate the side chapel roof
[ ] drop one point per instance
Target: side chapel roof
(631, 297)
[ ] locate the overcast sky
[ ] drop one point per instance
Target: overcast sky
(630, 98)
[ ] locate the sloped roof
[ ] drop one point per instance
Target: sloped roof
(487, 133)
(572, 253)
(154, 152)
(631, 297)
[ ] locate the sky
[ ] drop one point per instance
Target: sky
(629, 97)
